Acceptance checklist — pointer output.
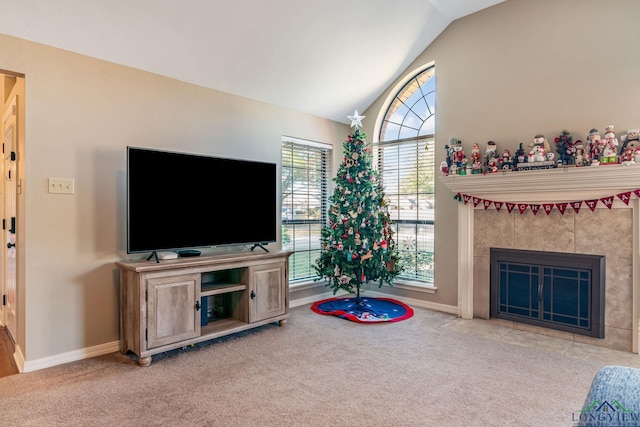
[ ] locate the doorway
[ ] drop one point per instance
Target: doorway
(12, 133)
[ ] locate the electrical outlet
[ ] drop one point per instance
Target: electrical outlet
(61, 185)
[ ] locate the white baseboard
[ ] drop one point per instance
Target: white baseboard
(72, 356)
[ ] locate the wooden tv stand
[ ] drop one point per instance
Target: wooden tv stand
(179, 302)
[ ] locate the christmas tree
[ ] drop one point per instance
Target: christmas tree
(358, 245)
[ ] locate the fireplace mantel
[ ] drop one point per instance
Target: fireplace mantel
(564, 184)
(548, 184)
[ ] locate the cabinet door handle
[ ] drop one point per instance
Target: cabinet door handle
(253, 294)
(197, 305)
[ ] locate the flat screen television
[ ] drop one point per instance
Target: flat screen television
(178, 201)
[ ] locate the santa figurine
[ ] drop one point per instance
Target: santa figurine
(475, 153)
(490, 153)
(444, 168)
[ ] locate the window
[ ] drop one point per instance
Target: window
(405, 159)
(306, 166)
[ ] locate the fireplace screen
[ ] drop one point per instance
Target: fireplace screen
(556, 290)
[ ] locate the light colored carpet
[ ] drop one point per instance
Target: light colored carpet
(315, 371)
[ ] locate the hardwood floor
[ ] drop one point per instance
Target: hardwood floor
(7, 364)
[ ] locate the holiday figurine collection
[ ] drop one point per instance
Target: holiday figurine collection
(594, 151)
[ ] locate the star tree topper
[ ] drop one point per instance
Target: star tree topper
(356, 119)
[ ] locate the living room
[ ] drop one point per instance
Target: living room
(505, 73)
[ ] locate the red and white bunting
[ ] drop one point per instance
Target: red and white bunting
(625, 197)
(576, 206)
(592, 204)
(562, 207)
(608, 201)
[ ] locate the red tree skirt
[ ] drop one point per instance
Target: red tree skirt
(366, 310)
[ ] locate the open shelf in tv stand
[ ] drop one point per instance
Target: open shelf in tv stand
(161, 304)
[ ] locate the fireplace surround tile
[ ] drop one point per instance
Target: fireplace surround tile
(492, 228)
(542, 232)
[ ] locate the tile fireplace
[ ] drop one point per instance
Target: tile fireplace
(610, 229)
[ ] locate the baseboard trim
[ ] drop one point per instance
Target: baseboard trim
(72, 356)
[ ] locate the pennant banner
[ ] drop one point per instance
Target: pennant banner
(576, 206)
(625, 197)
(608, 201)
(591, 203)
(562, 207)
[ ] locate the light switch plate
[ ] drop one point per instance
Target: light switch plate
(61, 185)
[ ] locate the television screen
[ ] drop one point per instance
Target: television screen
(180, 200)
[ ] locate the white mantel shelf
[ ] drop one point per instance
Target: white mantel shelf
(548, 184)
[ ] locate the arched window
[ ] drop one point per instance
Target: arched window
(405, 160)
(412, 110)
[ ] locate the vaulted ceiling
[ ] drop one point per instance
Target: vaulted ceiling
(323, 57)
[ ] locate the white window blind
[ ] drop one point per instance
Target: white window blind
(406, 168)
(306, 166)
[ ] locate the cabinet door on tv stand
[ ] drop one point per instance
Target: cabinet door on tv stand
(268, 291)
(173, 305)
